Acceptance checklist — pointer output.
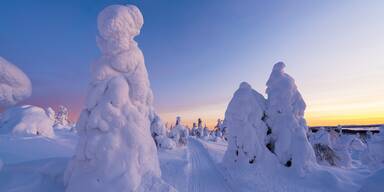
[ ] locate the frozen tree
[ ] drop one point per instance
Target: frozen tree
(159, 132)
(373, 155)
(322, 145)
(205, 131)
(15, 86)
(26, 120)
(194, 130)
(246, 130)
(179, 133)
(62, 116)
(50, 113)
(285, 118)
(200, 129)
(115, 151)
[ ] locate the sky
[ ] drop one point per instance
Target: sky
(198, 52)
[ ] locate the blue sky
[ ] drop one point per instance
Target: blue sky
(197, 52)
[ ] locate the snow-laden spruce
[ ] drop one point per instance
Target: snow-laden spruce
(159, 132)
(246, 129)
(15, 86)
(115, 151)
(26, 120)
(285, 117)
(179, 133)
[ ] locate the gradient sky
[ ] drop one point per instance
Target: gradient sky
(197, 53)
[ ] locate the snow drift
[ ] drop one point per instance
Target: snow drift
(116, 151)
(26, 120)
(15, 86)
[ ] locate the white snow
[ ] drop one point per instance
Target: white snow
(116, 151)
(285, 117)
(246, 129)
(15, 86)
(26, 120)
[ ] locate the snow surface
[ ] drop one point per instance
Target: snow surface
(15, 86)
(26, 120)
(116, 151)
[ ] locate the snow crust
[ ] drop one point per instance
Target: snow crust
(116, 151)
(15, 86)
(26, 120)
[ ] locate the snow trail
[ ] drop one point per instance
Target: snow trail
(204, 175)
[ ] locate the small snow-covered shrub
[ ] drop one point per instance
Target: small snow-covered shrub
(26, 120)
(322, 145)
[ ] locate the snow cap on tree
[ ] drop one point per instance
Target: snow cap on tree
(15, 86)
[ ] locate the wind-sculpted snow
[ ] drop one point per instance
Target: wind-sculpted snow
(116, 151)
(15, 86)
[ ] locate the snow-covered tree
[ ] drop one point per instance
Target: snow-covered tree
(246, 129)
(322, 145)
(159, 132)
(62, 117)
(194, 130)
(179, 133)
(26, 120)
(51, 113)
(373, 155)
(200, 129)
(115, 151)
(15, 86)
(285, 119)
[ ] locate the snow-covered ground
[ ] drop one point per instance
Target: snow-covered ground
(37, 164)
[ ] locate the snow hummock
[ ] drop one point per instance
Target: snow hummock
(15, 86)
(116, 151)
(285, 117)
(26, 120)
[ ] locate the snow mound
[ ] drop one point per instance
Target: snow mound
(246, 129)
(15, 86)
(116, 151)
(26, 120)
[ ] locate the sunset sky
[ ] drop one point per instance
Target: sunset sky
(197, 53)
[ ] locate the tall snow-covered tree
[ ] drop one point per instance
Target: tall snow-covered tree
(285, 118)
(115, 151)
(246, 130)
